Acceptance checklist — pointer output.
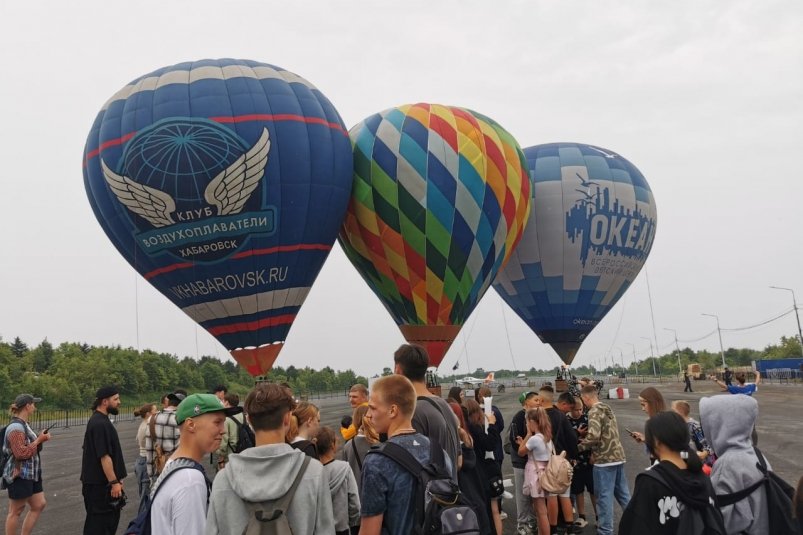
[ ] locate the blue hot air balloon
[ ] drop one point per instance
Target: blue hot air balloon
(224, 183)
(592, 226)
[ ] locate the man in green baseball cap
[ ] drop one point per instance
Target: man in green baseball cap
(180, 496)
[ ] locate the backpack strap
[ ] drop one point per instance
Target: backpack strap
(179, 463)
(724, 500)
(407, 461)
(432, 402)
(239, 430)
(356, 453)
(272, 510)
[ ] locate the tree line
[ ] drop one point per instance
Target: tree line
(666, 364)
(68, 375)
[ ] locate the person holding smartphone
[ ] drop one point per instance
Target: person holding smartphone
(22, 474)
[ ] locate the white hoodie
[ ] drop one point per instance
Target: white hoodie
(265, 473)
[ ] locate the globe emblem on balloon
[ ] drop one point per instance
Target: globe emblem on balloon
(181, 156)
(188, 183)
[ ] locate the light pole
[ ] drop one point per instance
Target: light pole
(652, 355)
(797, 315)
(680, 368)
(721, 347)
(635, 360)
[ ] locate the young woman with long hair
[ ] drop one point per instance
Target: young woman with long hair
(537, 446)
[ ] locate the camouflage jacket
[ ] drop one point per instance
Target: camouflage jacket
(602, 438)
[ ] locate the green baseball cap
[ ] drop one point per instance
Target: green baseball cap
(198, 404)
(523, 396)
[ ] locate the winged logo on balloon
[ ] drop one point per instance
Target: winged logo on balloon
(229, 190)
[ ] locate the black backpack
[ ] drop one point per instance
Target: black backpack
(440, 507)
(141, 525)
(693, 521)
(779, 499)
(245, 436)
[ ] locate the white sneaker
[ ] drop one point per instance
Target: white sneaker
(581, 522)
(506, 495)
(502, 515)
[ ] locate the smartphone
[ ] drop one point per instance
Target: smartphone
(48, 428)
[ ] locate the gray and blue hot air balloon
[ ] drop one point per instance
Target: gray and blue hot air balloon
(592, 227)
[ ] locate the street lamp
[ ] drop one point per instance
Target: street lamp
(797, 315)
(651, 355)
(680, 368)
(721, 347)
(635, 360)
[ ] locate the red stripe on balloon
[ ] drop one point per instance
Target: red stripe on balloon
(277, 118)
(252, 325)
(104, 146)
(226, 120)
(245, 254)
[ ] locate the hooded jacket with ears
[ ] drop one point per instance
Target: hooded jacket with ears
(265, 473)
(728, 421)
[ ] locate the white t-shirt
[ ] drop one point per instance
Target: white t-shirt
(539, 450)
(180, 504)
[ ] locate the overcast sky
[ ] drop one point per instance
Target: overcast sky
(705, 98)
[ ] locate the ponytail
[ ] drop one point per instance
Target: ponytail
(692, 460)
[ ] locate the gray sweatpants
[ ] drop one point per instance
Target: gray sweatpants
(524, 504)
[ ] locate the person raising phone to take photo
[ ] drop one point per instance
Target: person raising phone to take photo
(22, 474)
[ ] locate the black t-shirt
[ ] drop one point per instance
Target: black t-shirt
(101, 439)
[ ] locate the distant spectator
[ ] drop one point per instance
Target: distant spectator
(23, 471)
(220, 392)
(741, 386)
(456, 395)
(355, 450)
(141, 465)
(102, 466)
(231, 434)
(484, 446)
(304, 423)
(358, 396)
(652, 402)
(162, 431)
(701, 445)
(267, 471)
(342, 484)
(181, 492)
(728, 422)
(672, 488)
(470, 477)
(433, 418)
(728, 376)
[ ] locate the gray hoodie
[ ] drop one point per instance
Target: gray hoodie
(345, 496)
(728, 422)
(265, 473)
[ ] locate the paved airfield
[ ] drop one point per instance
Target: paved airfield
(778, 429)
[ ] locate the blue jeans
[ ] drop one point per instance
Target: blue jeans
(143, 481)
(609, 482)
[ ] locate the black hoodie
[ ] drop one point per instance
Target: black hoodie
(656, 508)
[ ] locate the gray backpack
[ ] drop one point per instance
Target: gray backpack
(270, 518)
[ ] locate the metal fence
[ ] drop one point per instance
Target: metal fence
(66, 418)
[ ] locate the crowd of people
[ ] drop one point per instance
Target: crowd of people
(206, 464)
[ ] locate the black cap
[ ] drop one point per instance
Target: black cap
(24, 399)
(106, 392)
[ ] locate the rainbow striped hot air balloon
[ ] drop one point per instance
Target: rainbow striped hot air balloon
(439, 201)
